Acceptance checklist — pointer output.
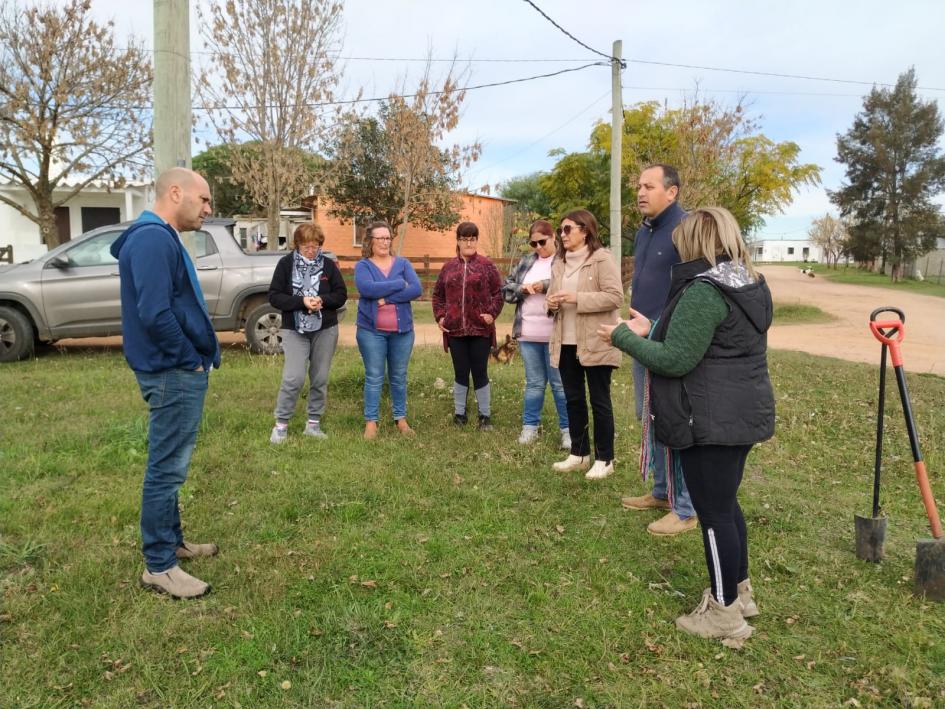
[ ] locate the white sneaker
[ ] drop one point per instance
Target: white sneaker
(278, 435)
(565, 439)
(314, 429)
(600, 470)
(572, 462)
(528, 435)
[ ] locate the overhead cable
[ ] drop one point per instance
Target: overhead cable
(608, 57)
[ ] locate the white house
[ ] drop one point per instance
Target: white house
(93, 207)
(785, 250)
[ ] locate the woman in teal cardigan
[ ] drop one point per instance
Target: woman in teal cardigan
(709, 398)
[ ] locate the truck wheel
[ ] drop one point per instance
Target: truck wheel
(262, 330)
(16, 335)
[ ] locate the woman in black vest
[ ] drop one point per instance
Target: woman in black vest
(709, 398)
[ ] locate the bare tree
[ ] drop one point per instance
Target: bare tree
(416, 125)
(272, 66)
(72, 107)
(830, 234)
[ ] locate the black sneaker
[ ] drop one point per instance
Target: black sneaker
(485, 424)
(460, 419)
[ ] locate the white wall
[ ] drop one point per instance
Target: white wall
(779, 250)
(23, 234)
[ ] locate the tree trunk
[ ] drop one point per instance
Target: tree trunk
(272, 226)
(46, 219)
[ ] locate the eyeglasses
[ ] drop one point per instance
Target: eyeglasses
(566, 229)
(382, 238)
(467, 239)
(536, 244)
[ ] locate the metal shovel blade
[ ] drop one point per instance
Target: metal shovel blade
(870, 538)
(930, 569)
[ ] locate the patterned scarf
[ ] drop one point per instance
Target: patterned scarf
(672, 459)
(306, 277)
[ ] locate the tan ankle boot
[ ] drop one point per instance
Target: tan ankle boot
(370, 430)
(189, 550)
(404, 427)
(745, 595)
(175, 582)
(711, 619)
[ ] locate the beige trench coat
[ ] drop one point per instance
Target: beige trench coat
(599, 298)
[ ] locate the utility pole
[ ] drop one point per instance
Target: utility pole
(172, 105)
(616, 151)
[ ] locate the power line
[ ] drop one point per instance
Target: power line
(747, 92)
(770, 73)
(528, 147)
(428, 93)
(541, 12)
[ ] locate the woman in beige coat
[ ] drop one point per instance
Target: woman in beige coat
(585, 292)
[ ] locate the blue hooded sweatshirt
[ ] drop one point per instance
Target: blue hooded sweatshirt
(653, 259)
(164, 320)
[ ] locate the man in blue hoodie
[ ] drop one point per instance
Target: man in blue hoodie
(654, 258)
(171, 346)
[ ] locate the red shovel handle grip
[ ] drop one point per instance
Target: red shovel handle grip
(890, 332)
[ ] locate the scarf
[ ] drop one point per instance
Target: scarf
(672, 459)
(306, 277)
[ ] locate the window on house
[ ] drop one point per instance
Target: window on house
(759, 251)
(359, 227)
(790, 250)
(806, 253)
(94, 217)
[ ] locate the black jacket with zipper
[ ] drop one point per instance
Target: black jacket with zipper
(727, 398)
(331, 289)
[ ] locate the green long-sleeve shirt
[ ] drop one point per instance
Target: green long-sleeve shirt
(699, 311)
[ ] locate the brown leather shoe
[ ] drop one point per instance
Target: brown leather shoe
(404, 427)
(644, 502)
(189, 550)
(175, 582)
(671, 525)
(370, 430)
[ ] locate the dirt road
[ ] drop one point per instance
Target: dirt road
(847, 337)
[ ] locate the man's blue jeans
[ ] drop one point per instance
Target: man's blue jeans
(378, 349)
(538, 374)
(683, 505)
(175, 400)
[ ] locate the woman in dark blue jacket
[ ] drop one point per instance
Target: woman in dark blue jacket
(386, 284)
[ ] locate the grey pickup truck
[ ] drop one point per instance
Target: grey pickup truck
(73, 291)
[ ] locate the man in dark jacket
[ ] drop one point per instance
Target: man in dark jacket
(654, 257)
(170, 344)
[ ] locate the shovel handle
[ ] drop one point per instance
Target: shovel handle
(926, 491)
(890, 332)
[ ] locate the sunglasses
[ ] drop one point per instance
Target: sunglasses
(567, 228)
(536, 244)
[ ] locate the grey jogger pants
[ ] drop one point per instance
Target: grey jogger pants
(311, 353)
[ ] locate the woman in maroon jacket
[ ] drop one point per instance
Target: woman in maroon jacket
(467, 298)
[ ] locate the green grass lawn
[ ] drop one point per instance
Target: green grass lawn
(453, 569)
(796, 314)
(859, 277)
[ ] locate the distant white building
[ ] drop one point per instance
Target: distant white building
(785, 250)
(93, 207)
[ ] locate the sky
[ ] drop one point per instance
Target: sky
(853, 42)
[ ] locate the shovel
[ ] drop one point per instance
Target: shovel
(930, 553)
(871, 531)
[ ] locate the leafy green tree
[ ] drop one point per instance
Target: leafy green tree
(721, 156)
(894, 170)
(528, 194)
(229, 196)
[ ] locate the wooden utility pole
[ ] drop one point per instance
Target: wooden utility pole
(616, 151)
(172, 103)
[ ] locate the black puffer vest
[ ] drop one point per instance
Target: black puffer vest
(727, 398)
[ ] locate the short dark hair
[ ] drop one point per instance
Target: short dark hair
(670, 175)
(467, 229)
